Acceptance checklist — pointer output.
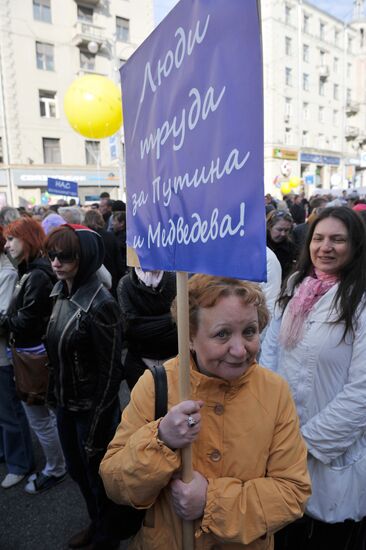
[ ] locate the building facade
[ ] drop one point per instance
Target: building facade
(44, 46)
(314, 94)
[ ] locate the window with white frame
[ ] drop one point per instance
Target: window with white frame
(349, 70)
(288, 106)
(85, 14)
(45, 56)
(335, 141)
(305, 82)
(336, 91)
(288, 45)
(322, 57)
(305, 138)
(42, 10)
(47, 103)
(321, 87)
(92, 152)
(335, 65)
(321, 141)
(305, 110)
(122, 29)
(350, 44)
(51, 151)
(305, 53)
(335, 117)
(321, 112)
(87, 60)
(322, 30)
(288, 136)
(336, 36)
(306, 22)
(288, 14)
(348, 96)
(288, 76)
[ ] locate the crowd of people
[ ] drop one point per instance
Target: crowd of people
(277, 413)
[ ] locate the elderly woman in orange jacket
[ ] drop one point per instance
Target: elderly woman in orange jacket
(249, 460)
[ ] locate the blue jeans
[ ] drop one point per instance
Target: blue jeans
(15, 439)
(73, 429)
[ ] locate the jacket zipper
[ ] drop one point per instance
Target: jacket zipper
(76, 316)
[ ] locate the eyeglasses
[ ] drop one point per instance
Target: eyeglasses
(63, 257)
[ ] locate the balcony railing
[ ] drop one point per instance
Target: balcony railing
(323, 72)
(352, 107)
(86, 32)
(352, 132)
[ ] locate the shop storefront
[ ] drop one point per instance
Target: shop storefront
(324, 171)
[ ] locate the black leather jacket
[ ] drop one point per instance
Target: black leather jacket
(84, 347)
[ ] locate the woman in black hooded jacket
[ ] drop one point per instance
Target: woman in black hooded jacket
(84, 347)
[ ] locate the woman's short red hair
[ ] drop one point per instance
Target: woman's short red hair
(31, 233)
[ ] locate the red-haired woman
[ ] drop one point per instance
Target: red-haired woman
(25, 324)
(15, 440)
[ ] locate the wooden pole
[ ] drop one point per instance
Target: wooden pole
(184, 387)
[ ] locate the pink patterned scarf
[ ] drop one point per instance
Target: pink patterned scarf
(306, 295)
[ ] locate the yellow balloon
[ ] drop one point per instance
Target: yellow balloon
(285, 188)
(93, 106)
(295, 182)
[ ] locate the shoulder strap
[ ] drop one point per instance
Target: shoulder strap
(161, 390)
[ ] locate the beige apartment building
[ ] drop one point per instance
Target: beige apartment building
(44, 46)
(314, 94)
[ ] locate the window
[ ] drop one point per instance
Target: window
(42, 10)
(335, 142)
(305, 138)
(305, 110)
(288, 136)
(87, 60)
(321, 87)
(350, 44)
(288, 106)
(336, 91)
(321, 141)
(305, 53)
(288, 76)
(321, 30)
(335, 117)
(288, 45)
(47, 104)
(306, 22)
(51, 151)
(321, 114)
(305, 82)
(348, 96)
(122, 29)
(44, 55)
(349, 70)
(335, 65)
(92, 152)
(85, 14)
(288, 14)
(336, 37)
(322, 58)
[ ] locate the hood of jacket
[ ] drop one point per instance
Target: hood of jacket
(37, 263)
(91, 254)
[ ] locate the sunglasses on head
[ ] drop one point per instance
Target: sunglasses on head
(62, 257)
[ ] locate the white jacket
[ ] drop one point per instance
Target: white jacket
(8, 279)
(327, 376)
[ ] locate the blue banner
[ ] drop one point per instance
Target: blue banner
(62, 187)
(320, 159)
(193, 119)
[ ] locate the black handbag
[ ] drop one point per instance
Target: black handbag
(130, 519)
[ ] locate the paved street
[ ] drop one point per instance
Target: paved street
(46, 521)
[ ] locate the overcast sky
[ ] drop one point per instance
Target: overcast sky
(339, 8)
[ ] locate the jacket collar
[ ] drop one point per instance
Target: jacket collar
(84, 295)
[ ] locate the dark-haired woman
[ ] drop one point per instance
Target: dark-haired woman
(279, 228)
(317, 341)
(84, 348)
(25, 324)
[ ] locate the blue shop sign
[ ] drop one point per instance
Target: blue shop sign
(62, 187)
(320, 159)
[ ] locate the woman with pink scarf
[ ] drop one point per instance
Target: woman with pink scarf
(317, 341)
